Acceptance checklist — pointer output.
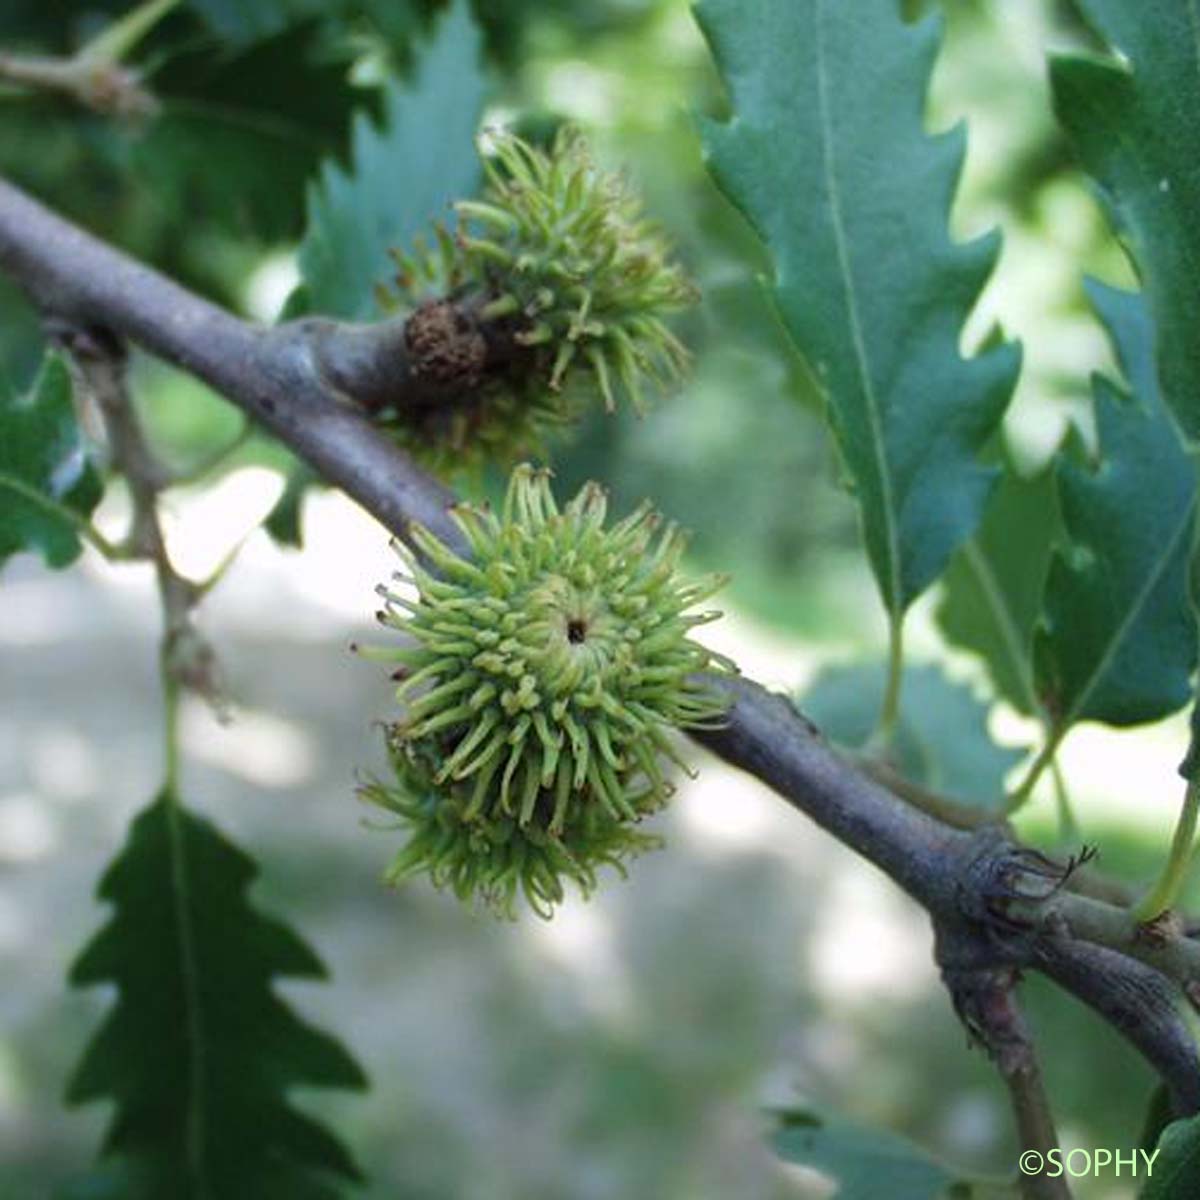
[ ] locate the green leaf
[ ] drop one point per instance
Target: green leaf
(996, 580)
(198, 1053)
(240, 133)
(941, 740)
(405, 174)
(1158, 1117)
(242, 22)
(283, 521)
(1177, 1166)
(827, 157)
(1118, 642)
(48, 487)
(1135, 127)
(866, 1163)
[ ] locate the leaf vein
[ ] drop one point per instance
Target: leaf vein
(862, 362)
(1007, 626)
(1134, 611)
(193, 1026)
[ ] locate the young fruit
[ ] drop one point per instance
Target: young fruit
(559, 287)
(540, 683)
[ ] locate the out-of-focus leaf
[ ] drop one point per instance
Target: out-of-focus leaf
(1177, 1167)
(241, 22)
(941, 740)
(1118, 642)
(1158, 1117)
(996, 580)
(827, 156)
(1135, 127)
(283, 521)
(198, 1053)
(44, 468)
(244, 21)
(239, 134)
(865, 1163)
(404, 173)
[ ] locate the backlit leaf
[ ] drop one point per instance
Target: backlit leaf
(996, 581)
(404, 174)
(941, 740)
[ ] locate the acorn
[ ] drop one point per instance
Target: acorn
(540, 683)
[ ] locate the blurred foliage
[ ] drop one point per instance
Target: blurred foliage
(622, 1104)
(403, 174)
(941, 740)
(47, 482)
(862, 1161)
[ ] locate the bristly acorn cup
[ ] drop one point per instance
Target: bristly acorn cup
(557, 263)
(540, 683)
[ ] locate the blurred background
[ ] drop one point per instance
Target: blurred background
(636, 1045)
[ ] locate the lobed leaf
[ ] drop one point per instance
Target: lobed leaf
(1118, 639)
(1134, 126)
(404, 174)
(827, 157)
(45, 475)
(198, 1054)
(240, 133)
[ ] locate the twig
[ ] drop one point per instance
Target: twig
(105, 87)
(98, 361)
(93, 76)
(311, 382)
(986, 1002)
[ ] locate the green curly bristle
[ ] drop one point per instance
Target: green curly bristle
(558, 255)
(540, 682)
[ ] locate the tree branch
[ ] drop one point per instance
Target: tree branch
(274, 375)
(312, 382)
(986, 1002)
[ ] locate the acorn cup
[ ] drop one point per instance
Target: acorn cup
(540, 683)
(556, 265)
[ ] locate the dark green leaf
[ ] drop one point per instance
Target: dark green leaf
(198, 1053)
(404, 174)
(827, 156)
(240, 134)
(996, 580)
(244, 21)
(1119, 639)
(941, 740)
(45, 474)
(1177, 1167)
(283, 521)
(1135, 127)
(866, 1163)
(1158, 1117)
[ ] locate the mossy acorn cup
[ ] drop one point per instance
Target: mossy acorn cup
(540, 681)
